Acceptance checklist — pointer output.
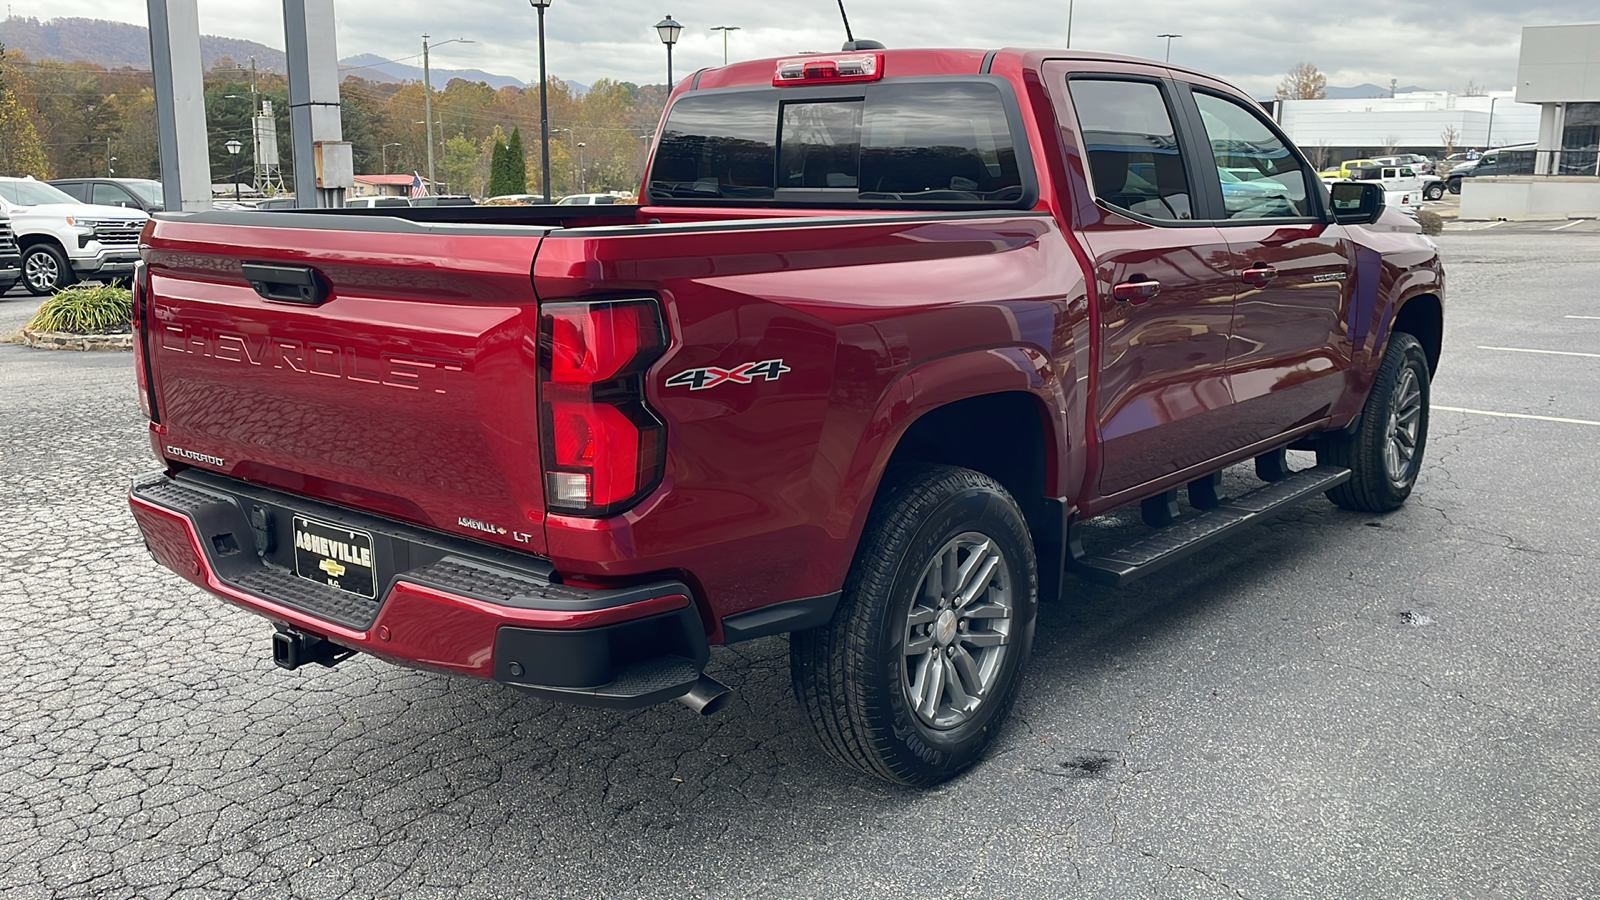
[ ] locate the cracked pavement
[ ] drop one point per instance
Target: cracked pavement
(1332, 705)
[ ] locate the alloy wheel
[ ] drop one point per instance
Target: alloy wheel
(958, 631)
(1405, 426)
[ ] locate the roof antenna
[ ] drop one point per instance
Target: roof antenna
(850, 42)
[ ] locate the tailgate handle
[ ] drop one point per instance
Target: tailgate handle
(289, 284)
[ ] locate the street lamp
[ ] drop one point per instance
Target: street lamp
(544, 104)
(583, 183)
(1169, 38)
(668, 29)
(233, 150)
(427, 95)
(385, 152)
(724, 29)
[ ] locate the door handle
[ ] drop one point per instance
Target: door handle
(1136, 292)
(1258, 275)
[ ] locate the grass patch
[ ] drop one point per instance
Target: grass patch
(99, 309)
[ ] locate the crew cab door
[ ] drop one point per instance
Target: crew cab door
(1293, 268)
(1163, 283)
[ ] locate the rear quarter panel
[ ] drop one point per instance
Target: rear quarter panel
(766, 483)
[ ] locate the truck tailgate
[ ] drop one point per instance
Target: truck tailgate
(408, 391)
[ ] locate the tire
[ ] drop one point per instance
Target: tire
(1454, 185)
(1382, 473)
(865, 696)
(1434, 191)
(45, 269)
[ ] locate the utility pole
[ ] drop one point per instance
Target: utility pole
(427, 109)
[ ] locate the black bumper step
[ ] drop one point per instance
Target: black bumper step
(1194, 533)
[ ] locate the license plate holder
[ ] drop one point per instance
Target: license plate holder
(334, 556)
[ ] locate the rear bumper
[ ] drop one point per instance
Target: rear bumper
(440, 602)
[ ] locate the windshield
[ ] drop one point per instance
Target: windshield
(148, 191)
(33, 193)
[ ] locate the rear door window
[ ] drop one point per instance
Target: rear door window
(913, 143)
(1134, 157)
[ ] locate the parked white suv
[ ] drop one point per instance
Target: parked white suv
(63, 241)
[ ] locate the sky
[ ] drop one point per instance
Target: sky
(1439, 46)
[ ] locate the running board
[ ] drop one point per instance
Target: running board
(1195, 532)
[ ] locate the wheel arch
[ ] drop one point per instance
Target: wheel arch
(1422, 317)
(26, 242)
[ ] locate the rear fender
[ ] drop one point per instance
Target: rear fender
(936, 383)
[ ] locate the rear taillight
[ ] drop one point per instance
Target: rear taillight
(141, 356)
(602, 446)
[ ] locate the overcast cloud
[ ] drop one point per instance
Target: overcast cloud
(1249, 42)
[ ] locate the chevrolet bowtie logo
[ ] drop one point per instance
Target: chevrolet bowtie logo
(332, 567)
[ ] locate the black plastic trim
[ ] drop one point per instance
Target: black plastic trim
(624, 665)
(988, 61)
(865, 217)
(694, 85)
(780, 618)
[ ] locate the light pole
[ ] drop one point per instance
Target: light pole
(1169, 38)
(233, 150)
(427, 96)
(583, 183)
(544, 105)
(1488, 138)
(668, 29)
(724, 29)
(385, 152)
(1069, 24)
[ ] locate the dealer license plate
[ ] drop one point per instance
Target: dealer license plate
(334, 555)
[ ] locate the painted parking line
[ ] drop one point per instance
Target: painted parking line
(1550, 352)
(1581, 317)
(1506, 415)
(1569, 225)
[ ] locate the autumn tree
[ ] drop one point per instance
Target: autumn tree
(21, 151)
(1303, 82)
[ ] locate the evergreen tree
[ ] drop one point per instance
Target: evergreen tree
(516, 163)
(497, 171)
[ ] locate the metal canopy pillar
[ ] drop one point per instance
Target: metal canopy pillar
(180, 104)
(323, 164)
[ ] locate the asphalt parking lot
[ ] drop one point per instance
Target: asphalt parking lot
(1333, 706)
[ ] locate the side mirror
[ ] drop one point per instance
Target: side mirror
(1357, 203)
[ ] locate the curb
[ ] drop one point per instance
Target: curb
(61, 340)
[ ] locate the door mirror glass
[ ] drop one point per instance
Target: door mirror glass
(1357, 203)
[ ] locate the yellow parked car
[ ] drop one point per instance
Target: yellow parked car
(1344, 169)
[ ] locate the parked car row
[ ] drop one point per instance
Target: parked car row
(59, 239)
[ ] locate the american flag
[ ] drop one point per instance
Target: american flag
(417, 187)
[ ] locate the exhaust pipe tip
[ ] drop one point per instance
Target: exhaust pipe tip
(707, 696)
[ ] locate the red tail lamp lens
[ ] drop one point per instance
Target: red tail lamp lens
(602, 445)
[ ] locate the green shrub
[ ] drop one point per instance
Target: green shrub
(86, 310)
(1432, 222)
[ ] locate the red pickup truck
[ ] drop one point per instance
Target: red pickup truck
(884, 330)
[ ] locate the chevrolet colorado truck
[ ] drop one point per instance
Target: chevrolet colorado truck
(883, 332)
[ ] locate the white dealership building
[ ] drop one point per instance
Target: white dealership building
(1425, 122)
(1559, 74)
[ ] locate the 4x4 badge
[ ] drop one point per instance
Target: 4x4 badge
(711, 376)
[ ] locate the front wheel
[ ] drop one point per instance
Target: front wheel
(1384, 453)
(45, 269)
(1434, 191)
(918, 668)
(1454, 185)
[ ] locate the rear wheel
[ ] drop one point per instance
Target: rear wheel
(920, 664)
(1384, 453)
(1434, 191)
(1455, 185)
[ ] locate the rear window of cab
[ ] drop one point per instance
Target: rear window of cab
(920, 143)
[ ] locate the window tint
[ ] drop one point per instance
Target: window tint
(77, 190)
(110, 195)
(1133, 149)
(1261, 178)
(933, 142)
